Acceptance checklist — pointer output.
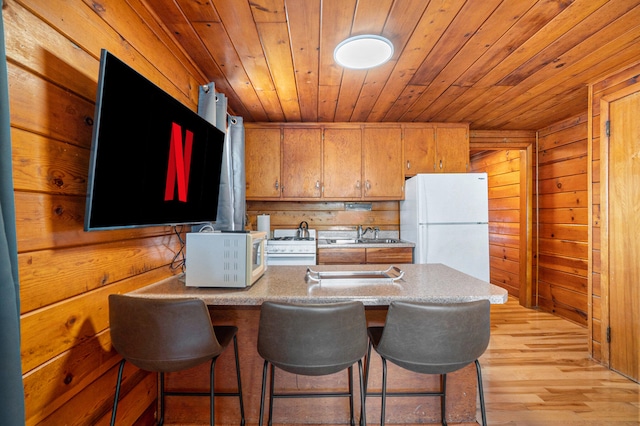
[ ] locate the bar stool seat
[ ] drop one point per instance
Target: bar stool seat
(431, 338)
(168, 335)
(312, 340)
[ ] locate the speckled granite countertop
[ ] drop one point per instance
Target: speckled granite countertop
(420, 283)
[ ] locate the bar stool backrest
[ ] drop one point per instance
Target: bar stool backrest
(162, 335)
(312, 339)
(435, 338)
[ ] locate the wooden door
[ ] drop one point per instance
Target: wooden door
(383, 171)
(262, 163)
(419, 150)
(302, 163)
(342, 163)
(621, 253)
(452, 149)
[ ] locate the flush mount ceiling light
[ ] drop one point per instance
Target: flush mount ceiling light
(363, 51)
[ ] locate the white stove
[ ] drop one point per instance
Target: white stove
(285, 248)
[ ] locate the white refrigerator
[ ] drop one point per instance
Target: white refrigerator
(446, 216)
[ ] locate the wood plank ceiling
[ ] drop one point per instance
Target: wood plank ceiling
(511, 64)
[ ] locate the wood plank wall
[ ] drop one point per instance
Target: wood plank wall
(506, 191)
(66, 274)
(560, 218)
(562, 228)
(613, 83)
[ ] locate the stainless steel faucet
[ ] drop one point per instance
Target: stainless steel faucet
(362, 231)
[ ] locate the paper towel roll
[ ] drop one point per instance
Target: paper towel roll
(264, 224)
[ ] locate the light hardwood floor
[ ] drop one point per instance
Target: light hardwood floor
(537, 371)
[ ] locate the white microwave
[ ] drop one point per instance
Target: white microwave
(225, 259)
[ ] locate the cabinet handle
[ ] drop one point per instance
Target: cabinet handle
(408, 164)
(358, 185)
(440, 164)
(277, 184)
(317, 184)
(367, 185)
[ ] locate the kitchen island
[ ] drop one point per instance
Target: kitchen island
(419, 283)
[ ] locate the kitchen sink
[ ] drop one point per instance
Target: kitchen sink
(378, 241)
(363, 241)
(342, 241)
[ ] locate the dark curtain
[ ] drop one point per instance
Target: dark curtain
(11, 389)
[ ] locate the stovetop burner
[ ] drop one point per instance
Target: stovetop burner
(290, 236)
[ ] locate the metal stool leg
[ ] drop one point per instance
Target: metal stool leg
(352, 419)
(235, 350)
(212, 396)
(366, 380)
(384, 391)
(481, 394)
(363, 413)
(443, 399)
(264, 388)
(161, 421)
(272, 387)
(115, 398)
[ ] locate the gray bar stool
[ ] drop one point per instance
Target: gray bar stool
(166, 335)
(312, 340)
(431, 339)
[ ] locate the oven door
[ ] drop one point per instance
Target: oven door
(291, 259)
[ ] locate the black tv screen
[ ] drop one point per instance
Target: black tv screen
(153, 160)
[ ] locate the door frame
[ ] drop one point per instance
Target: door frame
(604, 220)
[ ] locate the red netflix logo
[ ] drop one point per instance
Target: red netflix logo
(179, 164)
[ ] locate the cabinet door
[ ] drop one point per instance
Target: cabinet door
(302, 163)
(342, 165)
(383, 172)
(419, 150)
(390, 255)
(341, 256)
(452, 147)
(262, 163)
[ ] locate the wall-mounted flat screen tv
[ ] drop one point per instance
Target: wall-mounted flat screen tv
(153, 160)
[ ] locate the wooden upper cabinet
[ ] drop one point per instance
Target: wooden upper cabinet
(262, 163)
(302, 163)
(383, 176)
(342, 163)
(452, 148)
(419, 150)
(348, 161)
(436, 148)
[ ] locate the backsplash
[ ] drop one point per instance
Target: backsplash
(327, 216)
